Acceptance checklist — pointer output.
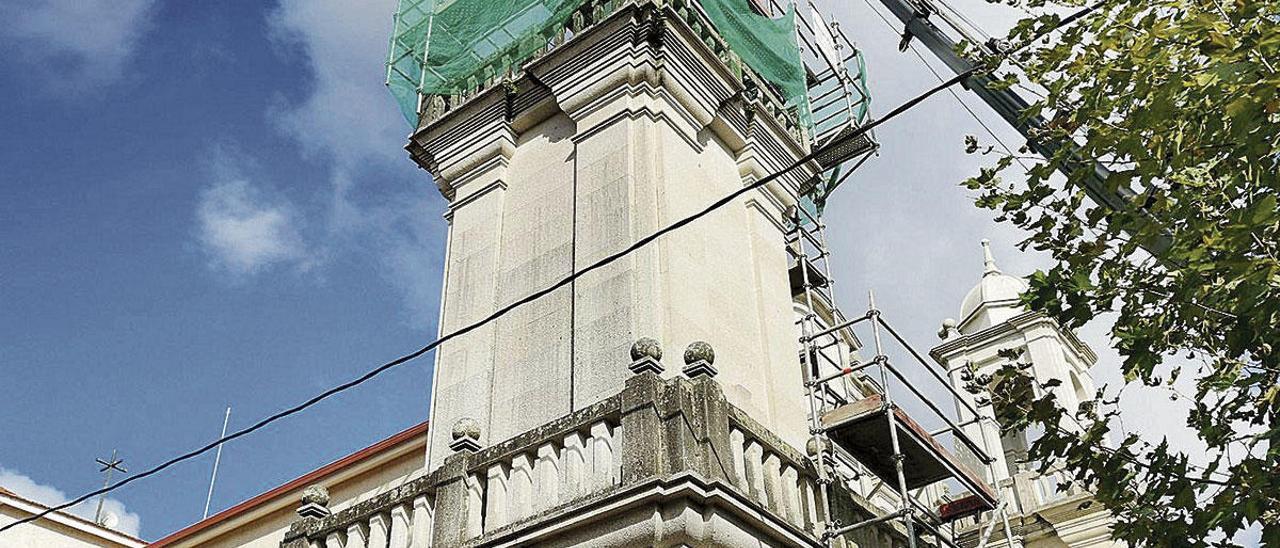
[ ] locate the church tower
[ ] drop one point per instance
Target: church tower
(993, 319)
(678, 393)
(626, 127)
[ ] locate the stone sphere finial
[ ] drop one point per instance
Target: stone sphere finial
(315, 502)
(315, 494)
(811, 446)
(646, 355)
(948, 327)
(698, 360)
(466, 427)
(466, 435)
(699, 351)
(646, 347)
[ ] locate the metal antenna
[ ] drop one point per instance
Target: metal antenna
(108, 467)
(217, 457)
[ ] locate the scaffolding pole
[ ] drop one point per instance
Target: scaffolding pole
(806, 245)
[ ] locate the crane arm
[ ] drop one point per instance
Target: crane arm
(1010, 106)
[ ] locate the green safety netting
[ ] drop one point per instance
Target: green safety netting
(441, 47)
(766, 45)
(408, 43)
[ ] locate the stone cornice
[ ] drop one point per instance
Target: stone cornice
(1017, 324)
(496, 185)
(642, 53)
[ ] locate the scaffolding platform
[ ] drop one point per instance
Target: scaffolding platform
(799, 284)
(862, 429)
(963, 507)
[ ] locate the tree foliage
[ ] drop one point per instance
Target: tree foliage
(1179, 100)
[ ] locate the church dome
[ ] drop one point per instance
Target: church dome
(996, 289)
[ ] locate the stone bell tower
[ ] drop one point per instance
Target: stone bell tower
(992, 319)
(634, 123)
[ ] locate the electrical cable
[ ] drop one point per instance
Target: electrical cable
(858, 132)
(963, 104)
(508, 308)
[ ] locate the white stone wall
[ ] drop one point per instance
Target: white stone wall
(62, 532)
(532, 344)
(619, 151)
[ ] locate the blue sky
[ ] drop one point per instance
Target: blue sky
(183, 227)
(206, 204)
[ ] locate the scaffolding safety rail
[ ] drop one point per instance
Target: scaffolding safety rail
(872, 428)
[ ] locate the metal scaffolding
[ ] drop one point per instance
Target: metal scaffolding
(871, 427)
(838, 97)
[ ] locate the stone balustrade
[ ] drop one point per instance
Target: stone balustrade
(774, 474)
(399, 518)
(535, 473)
(655, 434)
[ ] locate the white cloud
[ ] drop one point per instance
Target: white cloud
(25, 487)
(349, 121)
(76, 41)
(349, 116)
(244, 233)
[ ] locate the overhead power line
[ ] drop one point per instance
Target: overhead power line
(642, 242)
(501, 311)
(963, 104)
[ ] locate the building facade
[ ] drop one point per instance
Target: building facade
(994, 320)
(263, 521)
(657, 398)
(56, 530)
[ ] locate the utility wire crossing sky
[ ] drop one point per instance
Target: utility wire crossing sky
(945, 85)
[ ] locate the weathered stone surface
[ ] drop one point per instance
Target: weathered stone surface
(466, 435)
(646, 355)
(315, 494)
(633, 123)
(679, 440)
(646, 347)
(600, 142)
(699, 351)
(466, 427)
(811, 446)
(646, 364)
(315, 502)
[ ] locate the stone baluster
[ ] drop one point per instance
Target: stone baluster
(496, 502)
(520, 488)
(602, 456)
(423, 520)
(357, 535)
(401, 521)
(773, 481)
(379, 530)
(333, 540)
(737, 446)
(576, 462)
(754, 456)
(546, 488)
(475, 506)
(791, 494)
(809, 503)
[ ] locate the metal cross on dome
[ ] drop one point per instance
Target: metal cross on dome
(108, 467)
